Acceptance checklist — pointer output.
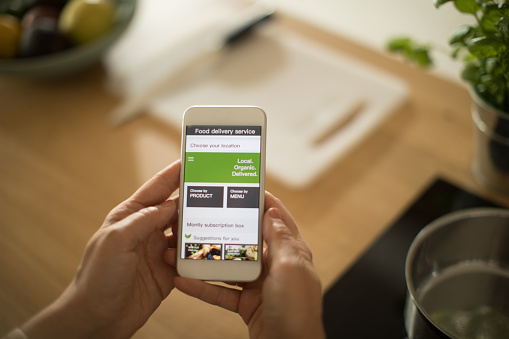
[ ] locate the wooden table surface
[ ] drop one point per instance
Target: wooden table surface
(63, 167)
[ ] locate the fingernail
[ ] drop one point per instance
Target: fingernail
(274, 213)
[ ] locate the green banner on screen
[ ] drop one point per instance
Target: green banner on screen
(222, 167)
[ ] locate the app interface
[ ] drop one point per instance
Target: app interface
(221, 193)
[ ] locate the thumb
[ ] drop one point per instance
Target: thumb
(140, 225)
(276, 234)
(283, 241)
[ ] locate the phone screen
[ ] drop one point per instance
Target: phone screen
(220, 213)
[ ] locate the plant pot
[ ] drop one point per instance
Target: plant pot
(491, 159)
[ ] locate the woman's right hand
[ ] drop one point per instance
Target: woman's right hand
(286, 301)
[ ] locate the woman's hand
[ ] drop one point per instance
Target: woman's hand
(286, 301)
(122, 278)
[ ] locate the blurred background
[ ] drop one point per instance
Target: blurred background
(372, 23)
(84, 125)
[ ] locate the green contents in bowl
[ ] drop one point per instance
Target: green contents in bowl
(482, 322)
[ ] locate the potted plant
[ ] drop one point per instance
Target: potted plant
(483, 47)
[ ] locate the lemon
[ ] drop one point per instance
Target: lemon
(86, 20)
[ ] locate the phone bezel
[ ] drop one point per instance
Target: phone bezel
(223, 270)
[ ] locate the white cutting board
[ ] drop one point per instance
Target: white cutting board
(306, 90)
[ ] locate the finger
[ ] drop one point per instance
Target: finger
(173, 227)
(172, 232)
(274, 227)
(172, 223)
(140, 225)
(283, 241)
(224, 297)
(153, 192)
(172, 241)
(270, 201)
(285, 215)
(160, 187)
(170, 256)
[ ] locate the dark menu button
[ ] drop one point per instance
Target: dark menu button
(243, 197)
(205, 196)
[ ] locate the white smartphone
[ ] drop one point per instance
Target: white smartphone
(222, 186)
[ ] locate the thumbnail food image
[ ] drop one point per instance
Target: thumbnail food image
(203, 251)
(241, 252)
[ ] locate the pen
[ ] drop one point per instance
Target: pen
(195, 58)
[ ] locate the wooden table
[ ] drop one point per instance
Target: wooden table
(63, 167)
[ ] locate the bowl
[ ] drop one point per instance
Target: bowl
(74, 59)
(457, 274)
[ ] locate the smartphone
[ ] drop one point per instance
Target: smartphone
(222, 186)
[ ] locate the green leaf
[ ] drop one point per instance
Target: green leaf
(504, 9)
(491, 65)
(484, 47)
(461, 34)
(456, 52)
(410, 50)
(503, 27)
(492, 91)
(420, 56)
(399, 44)
(471, 73)
(439, 3)
(469, 58)
(467, 6)
(491, 15)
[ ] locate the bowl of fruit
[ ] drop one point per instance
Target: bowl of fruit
(54, 38)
